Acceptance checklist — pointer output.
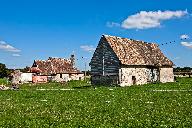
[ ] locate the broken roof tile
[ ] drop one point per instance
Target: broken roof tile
(54, 66)
(135, 52)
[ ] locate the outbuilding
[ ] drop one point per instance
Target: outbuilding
(55, 69)
(127, 62)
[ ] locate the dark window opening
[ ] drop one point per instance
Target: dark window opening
(61, 76)
(134, 79)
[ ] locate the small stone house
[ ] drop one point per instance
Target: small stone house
(56, 69)
(129, 62)
(15, 77)
(18, 77)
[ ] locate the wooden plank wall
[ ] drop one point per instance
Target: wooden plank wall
(104, 63)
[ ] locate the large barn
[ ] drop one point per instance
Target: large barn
(127, 62)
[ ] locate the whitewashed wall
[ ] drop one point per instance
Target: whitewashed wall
(65, 77)
(142, 75)
(166, 75)
(26, 77)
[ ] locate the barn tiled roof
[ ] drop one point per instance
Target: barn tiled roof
(133, 52)
(54, 66)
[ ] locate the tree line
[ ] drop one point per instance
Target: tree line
(6, 72)
(184, 69)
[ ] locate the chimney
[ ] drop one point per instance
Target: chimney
(72, 58)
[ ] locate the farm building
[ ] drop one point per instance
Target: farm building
(18, 77)
(26, 77)
(129, 62)
(55, 69)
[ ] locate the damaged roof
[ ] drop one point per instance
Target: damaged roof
(54, 66)
(134, 52)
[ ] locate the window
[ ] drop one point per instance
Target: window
(134, 80)
(61, 76)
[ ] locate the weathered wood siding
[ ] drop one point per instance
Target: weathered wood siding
(104, 64)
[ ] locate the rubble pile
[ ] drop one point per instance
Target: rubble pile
(3, 87)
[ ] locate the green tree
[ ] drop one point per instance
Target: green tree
(4, 72)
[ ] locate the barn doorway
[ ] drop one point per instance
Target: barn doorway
(133, 80)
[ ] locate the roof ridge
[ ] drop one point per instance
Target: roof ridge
(105, 35)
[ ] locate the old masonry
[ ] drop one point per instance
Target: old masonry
(129, 62)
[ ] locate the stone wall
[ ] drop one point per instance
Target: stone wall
(137, 76)
(67, 77)
(16, 77)
(61, 77)
(128, 76)
(166, 75)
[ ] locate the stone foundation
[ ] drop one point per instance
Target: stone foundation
(105, 80)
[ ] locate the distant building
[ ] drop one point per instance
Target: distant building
(18, 77)
(129, 62)
(183, 74)
(26, 77)
(55, 69)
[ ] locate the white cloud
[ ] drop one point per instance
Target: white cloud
(184, 36)
(145, 20)
(87, 48)
(113, 24)
(16, 55)
(187, 44)
(6, 47)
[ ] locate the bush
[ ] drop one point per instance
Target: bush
(3, 81)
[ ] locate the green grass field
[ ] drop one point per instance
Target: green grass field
(3, 81)
(152, 105)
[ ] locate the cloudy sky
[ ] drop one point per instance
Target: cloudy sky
(38, 29)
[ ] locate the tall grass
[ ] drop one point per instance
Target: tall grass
(135, 106)
(3, 81)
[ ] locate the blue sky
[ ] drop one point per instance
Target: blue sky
(38, 29)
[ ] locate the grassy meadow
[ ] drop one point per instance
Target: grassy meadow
(77, 104)
(3, 81)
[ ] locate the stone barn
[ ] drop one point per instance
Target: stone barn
(126, 62)
(56, 69)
